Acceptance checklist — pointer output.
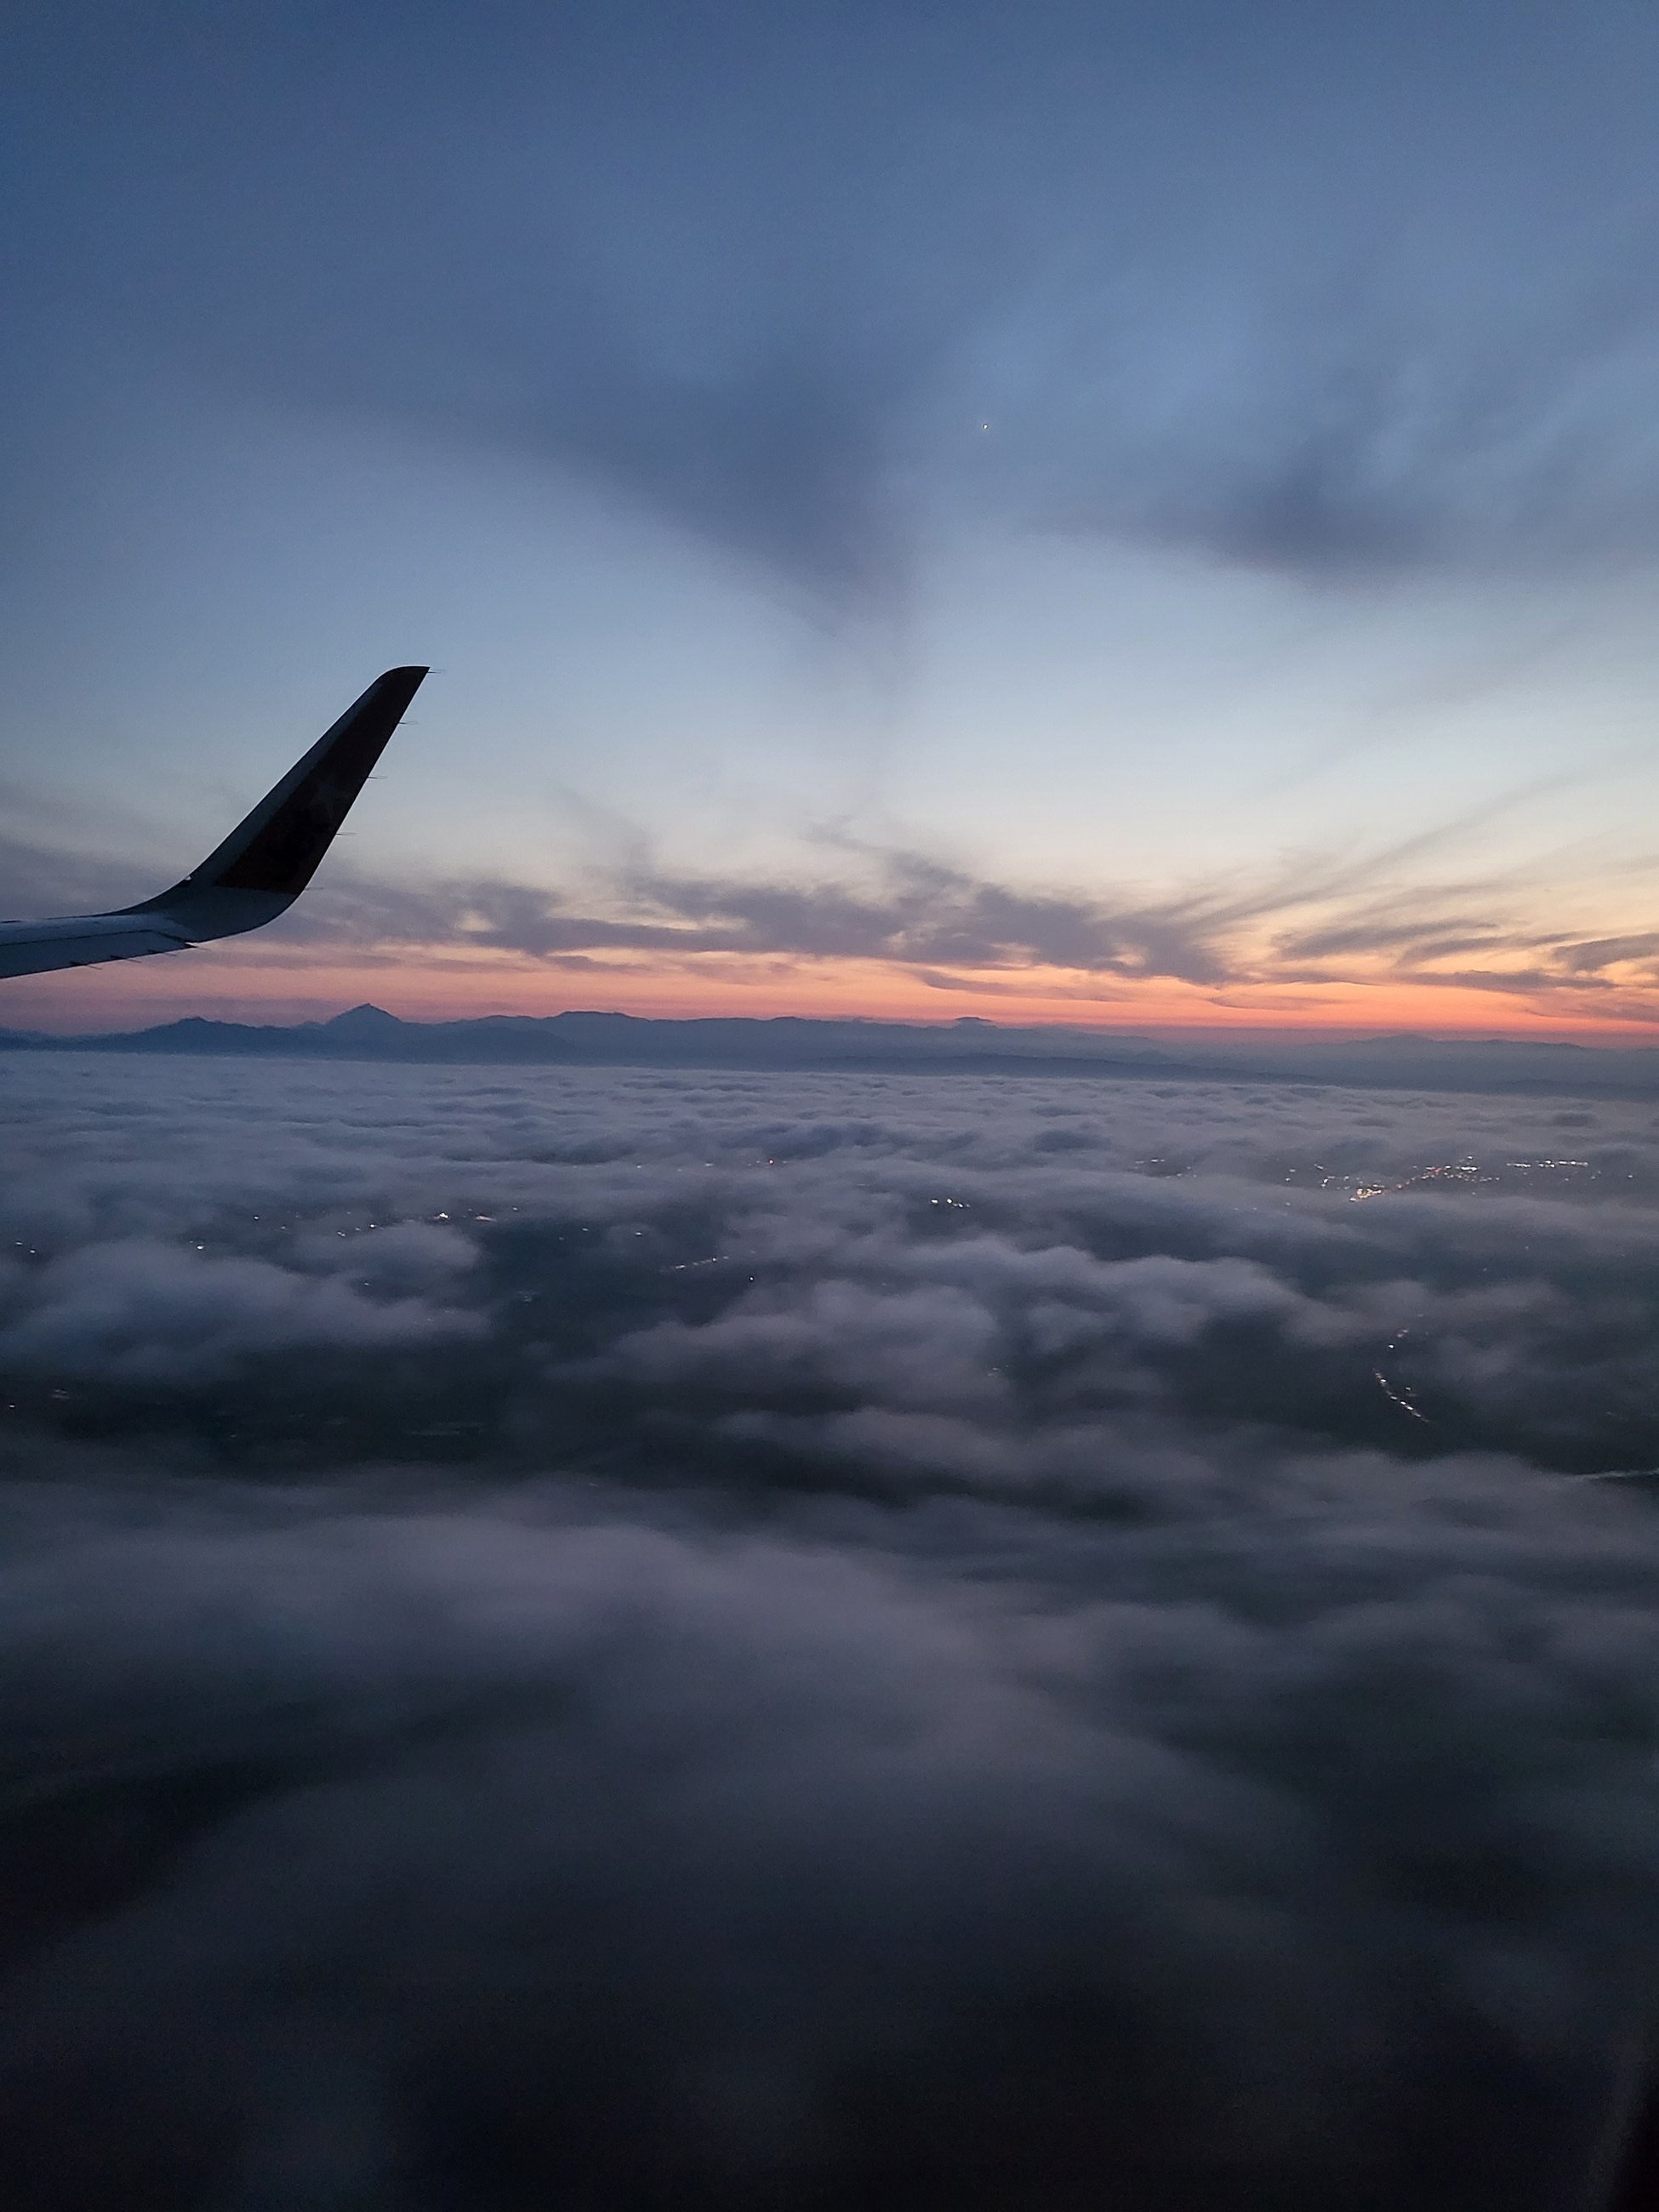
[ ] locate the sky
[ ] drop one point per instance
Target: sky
(662, 1637)
(1128, 516)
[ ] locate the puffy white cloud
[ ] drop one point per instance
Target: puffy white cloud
(922, 1347)
(142, 1310)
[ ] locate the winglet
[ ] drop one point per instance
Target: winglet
(276, 851)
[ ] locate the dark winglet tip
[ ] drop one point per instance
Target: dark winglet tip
(394, 684)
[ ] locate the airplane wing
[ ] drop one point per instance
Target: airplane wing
(256, 874)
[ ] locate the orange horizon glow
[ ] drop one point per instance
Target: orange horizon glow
(281, 984)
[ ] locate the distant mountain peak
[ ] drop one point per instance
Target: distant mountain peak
(591, 1038)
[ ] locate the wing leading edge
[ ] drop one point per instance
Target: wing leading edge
(259, 871)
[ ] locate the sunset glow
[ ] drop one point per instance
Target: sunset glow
(256, 985)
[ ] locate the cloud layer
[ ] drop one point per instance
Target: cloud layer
(1364, 924)
(662, 1639)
